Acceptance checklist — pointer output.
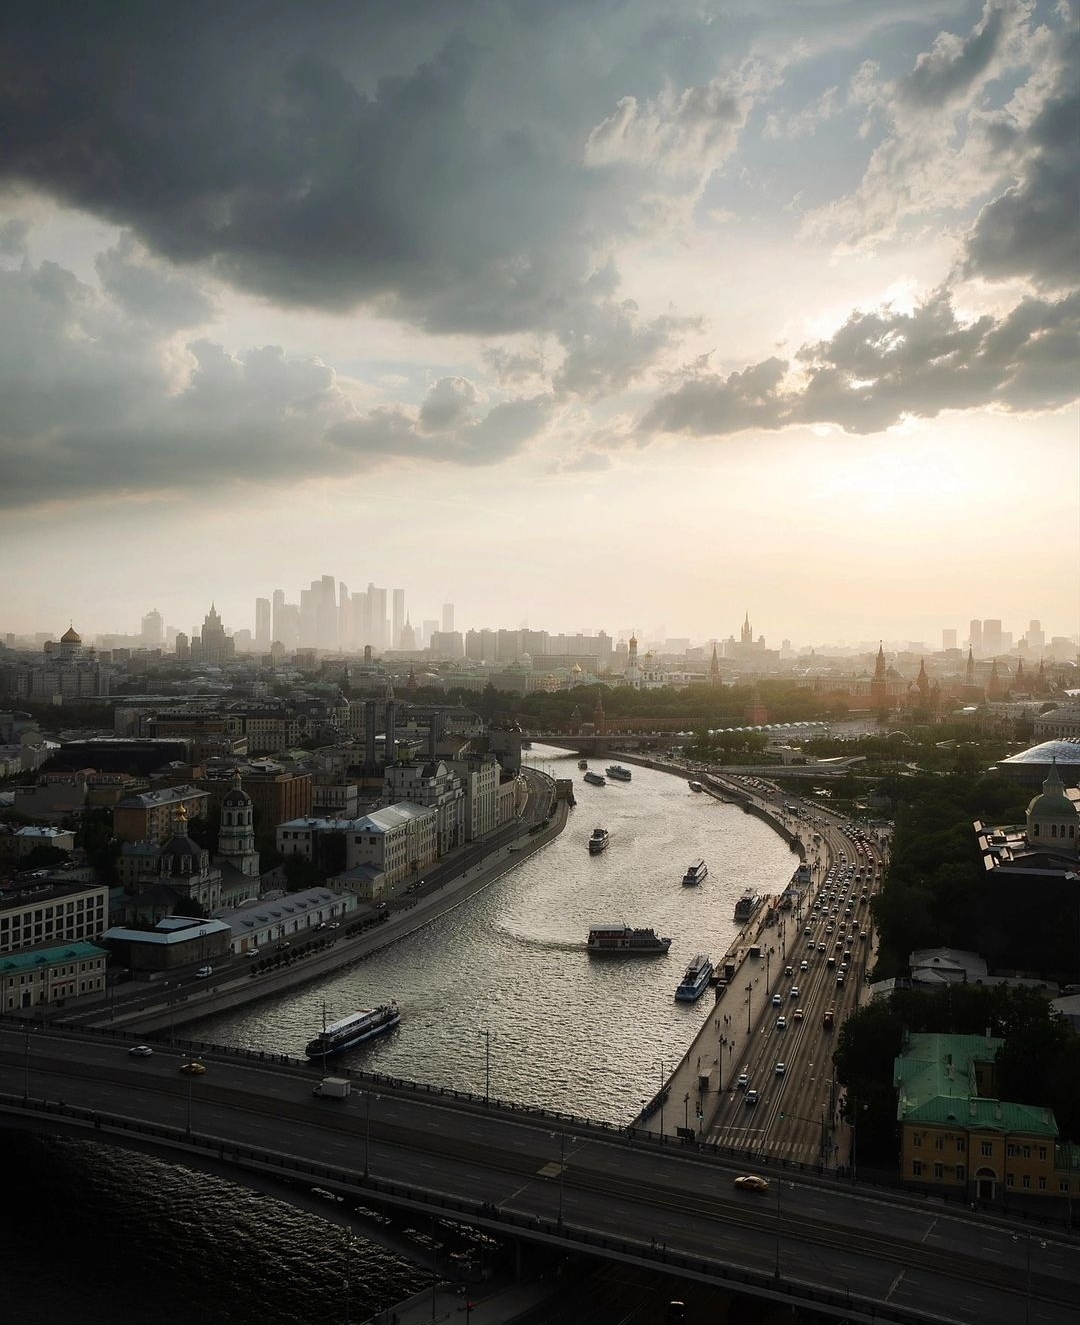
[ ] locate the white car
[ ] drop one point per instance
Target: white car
(742, 1081)
(781, 1023)
(140, 1051)
(779, 1069)
(204, 971)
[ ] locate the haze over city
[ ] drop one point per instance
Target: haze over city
(576, 315)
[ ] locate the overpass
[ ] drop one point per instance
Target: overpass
(540, 1176)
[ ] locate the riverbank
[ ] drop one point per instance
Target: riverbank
(149, 1008)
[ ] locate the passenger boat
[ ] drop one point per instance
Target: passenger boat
(619, 774)
(696, 872)
(595, 779)
(696, 786)
(626, 941)
(696, 979)
(599, 841)
(354, 1029)
(747, 904)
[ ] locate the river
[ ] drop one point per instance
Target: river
(497, 994)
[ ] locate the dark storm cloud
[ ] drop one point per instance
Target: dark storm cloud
(425, 157)
(884, 366)
(1031, 229)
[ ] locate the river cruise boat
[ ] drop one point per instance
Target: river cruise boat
(696, 872)
(354, 1029)
(619, 774)
(745, 907)
(622, 940)
(595, 779)
(599, 841)
(696, 979)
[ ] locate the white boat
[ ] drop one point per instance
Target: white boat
(354, 1029)
(622, 940)
(747, 904)
(619, 774)
(696, 979)
(599, 841)
(696, 872)
(696, 786)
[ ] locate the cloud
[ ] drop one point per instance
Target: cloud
(149, 292)
(608, 346)
(1031, 229)
(884, 366)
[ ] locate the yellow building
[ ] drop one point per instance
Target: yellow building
(955, 1134)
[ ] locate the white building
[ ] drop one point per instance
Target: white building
(398, 842)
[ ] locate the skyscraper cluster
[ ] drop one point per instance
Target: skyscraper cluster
(330, 618)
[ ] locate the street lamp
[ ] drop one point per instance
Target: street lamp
(686, 1112)
(1027, 1291)
(749, 991)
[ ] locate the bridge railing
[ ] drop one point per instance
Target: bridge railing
(485, 1214)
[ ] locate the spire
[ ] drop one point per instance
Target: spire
(969, 674)
(879, 665)
(1052, 786)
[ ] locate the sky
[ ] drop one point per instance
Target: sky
(579, 314)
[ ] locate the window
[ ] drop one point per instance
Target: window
(961, 1145)
(1042, 1152)
(961, 1173)
(1063, 1184)
(939, 1170)
(986, 1148)
(939, 1143)
(916, 1139)
(1027, 1152)
(1010, 1181)
(1042, 1184)
(1010, 1150)
(916, 1168)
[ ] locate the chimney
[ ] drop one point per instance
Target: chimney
(369, 733)
(390, 750)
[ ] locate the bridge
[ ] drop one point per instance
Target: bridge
(540, 1176)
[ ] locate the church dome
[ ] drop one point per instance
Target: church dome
(71, 636)
(182, 856)
(236, 798)
(1052, 803)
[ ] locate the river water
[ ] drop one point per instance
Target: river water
(499, 993)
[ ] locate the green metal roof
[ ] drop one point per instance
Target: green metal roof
(36, 958)
(936, 1084)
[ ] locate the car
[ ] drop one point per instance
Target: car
(751, 1098)
(779, 1069)
(742, 1081)
(140, 1051)
(788, 970)
(804, 965)
(204, 971)
(862, 935)
(776, 1000)
(251, 952)
(194, 1067)
(781, 1023)
(829, 927)
(794, 991)
(821, 947)
(797, 1015)
(752, 1182)
(830, 962)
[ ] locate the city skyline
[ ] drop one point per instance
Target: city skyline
(563, 314)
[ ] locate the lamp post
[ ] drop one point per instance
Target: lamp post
(686, 1112)
(1027, 1285)
(749, 991)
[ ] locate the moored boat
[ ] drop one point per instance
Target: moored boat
(696, 786)
(595, 779)
(619, 774)
(696, 980)
(696, 872)
(621, 939)
(599, 841)
(354, 1029)
(747, 904)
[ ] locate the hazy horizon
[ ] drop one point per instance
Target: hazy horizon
(586, 316)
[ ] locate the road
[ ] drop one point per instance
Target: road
(541, 1178)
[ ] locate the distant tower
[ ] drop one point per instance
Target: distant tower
(746, 635)
(71, 645)
(969, 671)
(714, 668)
(599, 721)
(1020, 679)
(879, 693)
(236, 840)
(923, 683)
(995, 689)
(633, 675)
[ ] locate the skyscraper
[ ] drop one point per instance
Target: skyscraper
(448, 616)
(277, 624)
(397, 618)
(262, 624)
(152, 632)
(975, 637)
(991, 637)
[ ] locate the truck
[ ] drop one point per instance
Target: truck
(333, 1088)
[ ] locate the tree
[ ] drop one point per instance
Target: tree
(43, 858)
